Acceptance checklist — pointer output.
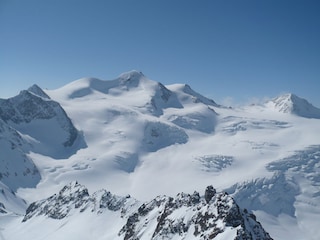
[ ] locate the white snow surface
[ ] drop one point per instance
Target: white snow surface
(146, 139)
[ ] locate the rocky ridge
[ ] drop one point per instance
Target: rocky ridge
(202, 217)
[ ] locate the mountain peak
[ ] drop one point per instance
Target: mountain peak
(290, 97)
(131, 74)
(132, 77)
(291, 103)
(35, 89)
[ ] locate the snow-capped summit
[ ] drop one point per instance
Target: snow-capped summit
(35, 89)
(133, 89)
(291, 103)
(125, 82)
(132, 77)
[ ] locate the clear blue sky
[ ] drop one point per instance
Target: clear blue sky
(221, 48)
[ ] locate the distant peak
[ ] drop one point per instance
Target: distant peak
(291, 103)
(133, 74)
(187, 88)
(198, 97)
(131, 78)
(288, 98)
(35, 89)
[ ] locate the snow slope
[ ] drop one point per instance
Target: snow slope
(16, 168)
(146, 139)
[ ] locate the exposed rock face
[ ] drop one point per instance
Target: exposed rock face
(33, 104)
(41, 123)
(72, 197)
(185, 215)
(209, 193)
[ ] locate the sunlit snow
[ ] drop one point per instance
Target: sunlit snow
(139, 137)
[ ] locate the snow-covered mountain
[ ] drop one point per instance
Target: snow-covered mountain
(135, 136)
(290, 103)
(30, 113)
(31, 122)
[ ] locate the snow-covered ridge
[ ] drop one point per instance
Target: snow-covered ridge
(187, 216)
(187, 93)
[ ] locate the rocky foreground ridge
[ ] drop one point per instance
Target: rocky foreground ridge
(182, 217)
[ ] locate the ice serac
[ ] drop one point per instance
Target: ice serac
(158, 135)
(186, 216)
(40, 120)
(290, 103)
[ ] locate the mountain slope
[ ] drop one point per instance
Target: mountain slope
(16, 168)
(42, 122)
(214, 215)
(10, 203)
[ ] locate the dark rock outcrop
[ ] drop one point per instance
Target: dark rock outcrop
(186, 214)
